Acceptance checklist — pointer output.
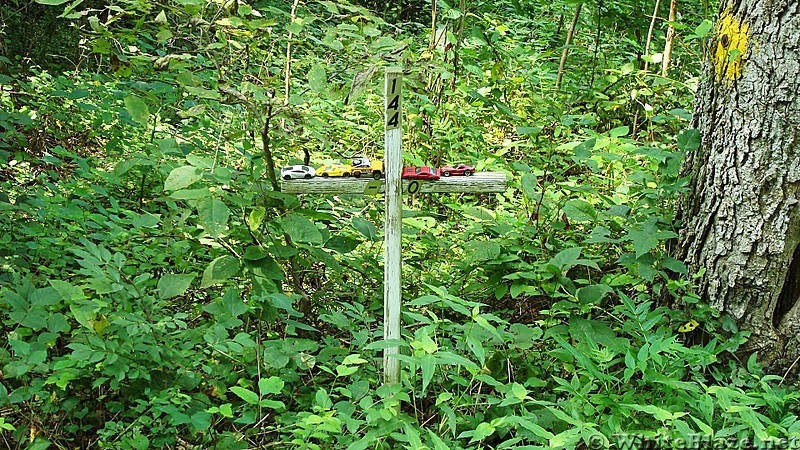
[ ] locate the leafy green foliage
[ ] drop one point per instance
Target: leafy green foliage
(157, 291)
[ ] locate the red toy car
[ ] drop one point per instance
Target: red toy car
(421, 173)
(461, 169)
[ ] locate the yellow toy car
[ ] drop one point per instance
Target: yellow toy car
(335, 170)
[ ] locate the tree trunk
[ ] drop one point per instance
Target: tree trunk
(673, 16)
(741, 222)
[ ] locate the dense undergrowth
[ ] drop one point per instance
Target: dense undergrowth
(156, 290)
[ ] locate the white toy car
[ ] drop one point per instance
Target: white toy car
(298, 171)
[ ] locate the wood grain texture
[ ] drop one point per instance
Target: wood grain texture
(477, 183)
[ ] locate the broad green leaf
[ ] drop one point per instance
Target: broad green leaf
(366, 228)
(201, 420)
(219, 270)
(479, 251)
(182, 177)
(256, 218)
(45, 297)
(566, 259)
(702, 29)
(342, 244)
(482, 431)
(271, 385)
(619, 131)
(191, 194)
(530, 186)
(52, 2)
(580, 210)
(174, 284)
(647, 237)
(245, 394)
(318, 79)
(593, 293)
(213, 215)
(138, 109)
(161, 18)
(519, 391)
(689, 140)
(300, 229)
(322, 399)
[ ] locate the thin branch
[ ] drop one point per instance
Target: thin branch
(650, 35)
(565, 53)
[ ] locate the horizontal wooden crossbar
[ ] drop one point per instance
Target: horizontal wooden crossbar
(477, 183)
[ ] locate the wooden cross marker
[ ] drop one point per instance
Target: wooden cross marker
(393, 186)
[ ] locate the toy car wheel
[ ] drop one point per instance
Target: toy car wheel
(325, 175)
(287, 177)
(308, 176)
(467, 172)
(357, 174)
(346, 174)
(446, 173)
(376, 175)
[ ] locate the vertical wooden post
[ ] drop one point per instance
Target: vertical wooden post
(393, 167)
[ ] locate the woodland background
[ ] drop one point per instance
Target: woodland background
(158, 290)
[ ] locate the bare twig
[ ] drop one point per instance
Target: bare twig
(568, 41)
(650, 35)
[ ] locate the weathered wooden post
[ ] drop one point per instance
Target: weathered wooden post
(393, 187)
(392, 260)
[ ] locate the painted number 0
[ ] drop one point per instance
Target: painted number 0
(413, 187)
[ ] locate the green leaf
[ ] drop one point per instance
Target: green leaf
(593, 293)
(342, 244)
(138, 109)
(689, 140)
(182, 177)
(52, 2)
(300, 229)
(201, 420)
(580, 210)
(271, 385)
(519, 391)
(256, 218)
(191, 194)
(219, 270)
(702, 29)
(619, 131)
(366, 228)
(45, 297)
(245, 394)
(318, 79)
(213, 215)
(479, 251)
(482, 431)
(566, 259)
(428, 365)
(174, 284)
(530, 186)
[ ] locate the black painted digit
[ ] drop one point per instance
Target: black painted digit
(395, 103)
(395, 120)
(394, 85)
(413, 187)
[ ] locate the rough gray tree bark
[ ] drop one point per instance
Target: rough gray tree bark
(741, 219)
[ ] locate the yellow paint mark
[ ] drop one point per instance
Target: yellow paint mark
(688, 326)
(730, 46)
